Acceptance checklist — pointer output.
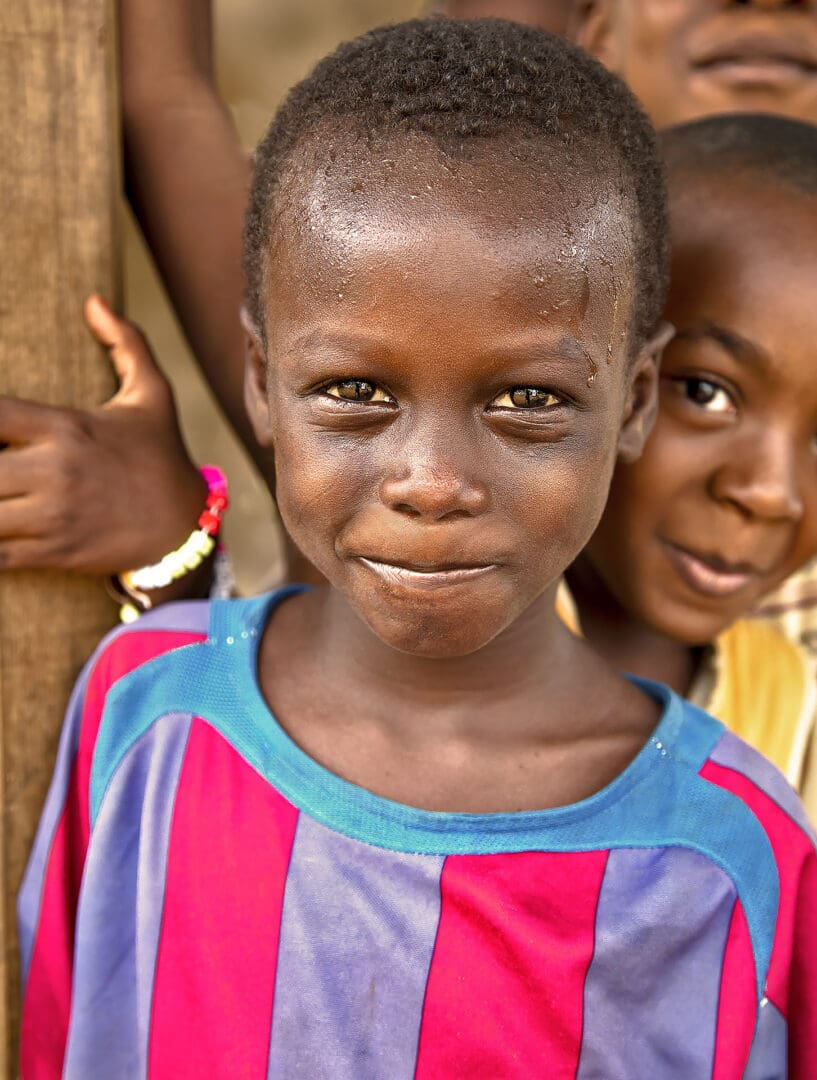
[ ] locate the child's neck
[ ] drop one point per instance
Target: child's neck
(532, 720)
(625, 643)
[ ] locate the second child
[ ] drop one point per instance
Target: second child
(722, 505)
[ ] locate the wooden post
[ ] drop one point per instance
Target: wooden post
(59, 184)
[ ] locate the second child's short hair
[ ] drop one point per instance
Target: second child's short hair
(771, 149)
(462, 81)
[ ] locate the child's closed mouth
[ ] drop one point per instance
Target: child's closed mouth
(426, 575)
(711, 574)
(754, 59)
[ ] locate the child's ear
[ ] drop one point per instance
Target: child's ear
(592, 27)
(256, 401)
(642, 399)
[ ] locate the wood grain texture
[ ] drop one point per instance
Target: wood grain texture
(59, 198)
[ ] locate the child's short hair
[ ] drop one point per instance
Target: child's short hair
(458, 82)
(772, 148)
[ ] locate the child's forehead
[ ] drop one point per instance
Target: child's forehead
(745, 258)
(414, 259)
(528, 198)
(728, 206)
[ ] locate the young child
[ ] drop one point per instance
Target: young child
(408, 825)
(722, 505)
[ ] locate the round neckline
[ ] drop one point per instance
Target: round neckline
(350, 809)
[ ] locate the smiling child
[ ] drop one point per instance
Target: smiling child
(408, 825)
(722, 505)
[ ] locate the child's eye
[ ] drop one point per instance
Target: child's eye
(708, 395)
(525, 397)
(357, 390)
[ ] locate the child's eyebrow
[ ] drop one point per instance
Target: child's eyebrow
(741, 348)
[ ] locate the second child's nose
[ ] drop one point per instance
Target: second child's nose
(762, 480)
(434, 491)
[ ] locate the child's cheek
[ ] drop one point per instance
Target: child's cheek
(318, 487)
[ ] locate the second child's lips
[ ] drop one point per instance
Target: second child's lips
(710, 575)
(426, 576)
(756, 54)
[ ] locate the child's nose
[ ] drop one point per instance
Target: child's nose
(762, 480)
(433, 490)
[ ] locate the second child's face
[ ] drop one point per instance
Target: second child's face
(691, 58)
(445, 392)
(722, 506)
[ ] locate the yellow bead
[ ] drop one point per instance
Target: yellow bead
(128, 613)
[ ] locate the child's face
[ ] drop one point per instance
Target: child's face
(446, 389)
(722, 506)
(690, 58)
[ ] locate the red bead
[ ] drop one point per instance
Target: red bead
(217, 501)
(210, 522)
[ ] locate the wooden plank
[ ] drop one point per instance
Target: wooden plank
(59, 184)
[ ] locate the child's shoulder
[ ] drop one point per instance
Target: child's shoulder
(739, 769)
(724, 760)
(169, 628)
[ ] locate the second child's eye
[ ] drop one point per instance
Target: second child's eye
(708, 395)
(525, 397)
(357, 390)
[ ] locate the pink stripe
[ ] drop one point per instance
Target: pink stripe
(738, 1001)
(47, 1001)
(792, 981)
(228, 858)
(505, 990)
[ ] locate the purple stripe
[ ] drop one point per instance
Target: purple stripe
(120, 909)
(733, 753)
(357, 935)
(29, 898)
(770, 1050)
(652, 989)
(184, 617)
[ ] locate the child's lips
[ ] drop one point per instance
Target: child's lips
(758, 59)
(426, 576)
(711, 575)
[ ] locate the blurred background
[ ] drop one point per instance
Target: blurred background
(263, 47)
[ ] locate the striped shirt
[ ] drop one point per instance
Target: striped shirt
(205, 900)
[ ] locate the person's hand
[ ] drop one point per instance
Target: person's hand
(98, 490)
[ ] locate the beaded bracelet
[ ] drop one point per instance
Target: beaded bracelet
(197, 547)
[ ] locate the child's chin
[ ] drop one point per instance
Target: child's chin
(693, 626)
(433, 636)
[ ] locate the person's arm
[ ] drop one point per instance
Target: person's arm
(187, 179)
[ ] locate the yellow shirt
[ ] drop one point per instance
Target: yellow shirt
(763, 687)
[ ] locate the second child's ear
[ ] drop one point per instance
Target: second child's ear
(256, 401)
(592, 27)
(642, 399)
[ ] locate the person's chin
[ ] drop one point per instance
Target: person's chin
(434, 623)
(707, 94)
(688, 620)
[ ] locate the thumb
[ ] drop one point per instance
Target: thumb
(139, 377)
